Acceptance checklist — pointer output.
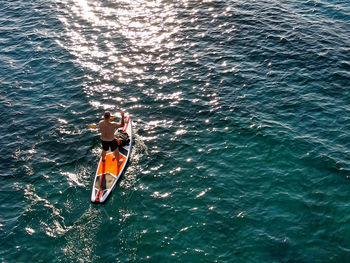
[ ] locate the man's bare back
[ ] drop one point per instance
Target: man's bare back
(107, 128)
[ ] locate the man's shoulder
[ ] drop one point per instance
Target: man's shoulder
(117, 124)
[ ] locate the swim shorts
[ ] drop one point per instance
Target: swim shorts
(109, 144)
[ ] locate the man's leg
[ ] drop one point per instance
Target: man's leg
(103, 155)
(116, 155)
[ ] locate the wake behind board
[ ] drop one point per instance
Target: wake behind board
(108, 172)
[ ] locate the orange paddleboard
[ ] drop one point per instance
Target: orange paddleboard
(108, 172)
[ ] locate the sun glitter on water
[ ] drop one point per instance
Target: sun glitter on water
(92, 37)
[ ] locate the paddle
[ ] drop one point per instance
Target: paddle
(95, 127)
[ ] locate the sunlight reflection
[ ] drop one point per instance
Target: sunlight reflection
(115, 39)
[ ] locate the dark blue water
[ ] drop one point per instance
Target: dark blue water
(241, 123)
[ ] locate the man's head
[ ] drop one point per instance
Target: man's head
(107, 115)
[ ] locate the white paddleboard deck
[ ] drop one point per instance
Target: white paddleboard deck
(108, 172)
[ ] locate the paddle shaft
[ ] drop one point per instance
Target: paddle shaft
(95, 127)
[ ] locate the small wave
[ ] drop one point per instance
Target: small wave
(73, 179)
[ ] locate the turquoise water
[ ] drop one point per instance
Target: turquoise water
(241, 123)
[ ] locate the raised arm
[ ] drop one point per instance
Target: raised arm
(122, 121)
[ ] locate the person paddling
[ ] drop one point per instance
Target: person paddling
(108, 128)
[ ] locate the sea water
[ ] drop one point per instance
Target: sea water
(241, 123)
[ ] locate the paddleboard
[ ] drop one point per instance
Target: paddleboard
(108, 173)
